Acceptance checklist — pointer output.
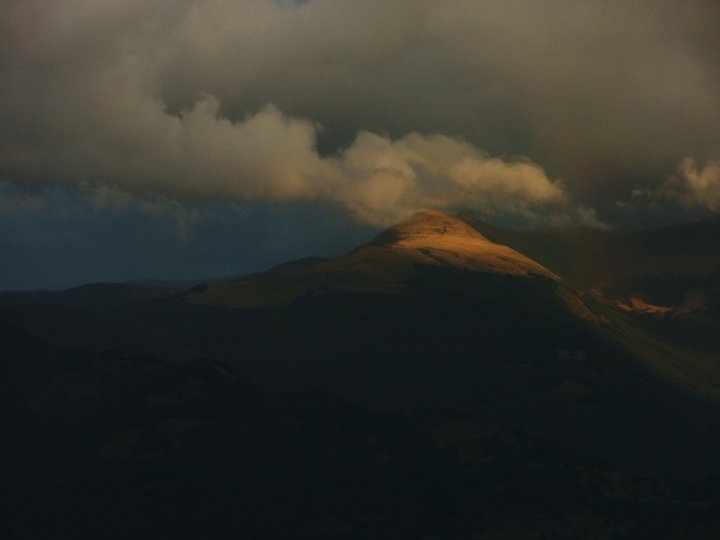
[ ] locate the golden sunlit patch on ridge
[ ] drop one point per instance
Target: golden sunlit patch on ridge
(385, 265)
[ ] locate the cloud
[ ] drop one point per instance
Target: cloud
(696, 187)
(268, 156)
(172, 99)
(382, 179)
(690, 186)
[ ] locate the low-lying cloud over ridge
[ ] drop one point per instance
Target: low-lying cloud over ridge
(268, 156)
(173, 98)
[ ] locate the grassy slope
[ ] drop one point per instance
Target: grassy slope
(691, 369)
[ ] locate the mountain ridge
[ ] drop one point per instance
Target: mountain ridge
(386, 264)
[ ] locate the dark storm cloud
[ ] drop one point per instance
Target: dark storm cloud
(589, 101)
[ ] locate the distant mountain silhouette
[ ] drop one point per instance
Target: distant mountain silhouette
(185, 284)
(91, 296)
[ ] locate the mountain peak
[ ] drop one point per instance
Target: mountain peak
(430, 223)
(396, 262)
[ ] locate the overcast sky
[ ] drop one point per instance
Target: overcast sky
(207, 137)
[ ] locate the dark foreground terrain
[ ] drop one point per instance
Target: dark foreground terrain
(431, 384)
(127, 446)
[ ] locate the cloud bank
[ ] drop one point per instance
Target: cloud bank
(382, 108)
(267, 156)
